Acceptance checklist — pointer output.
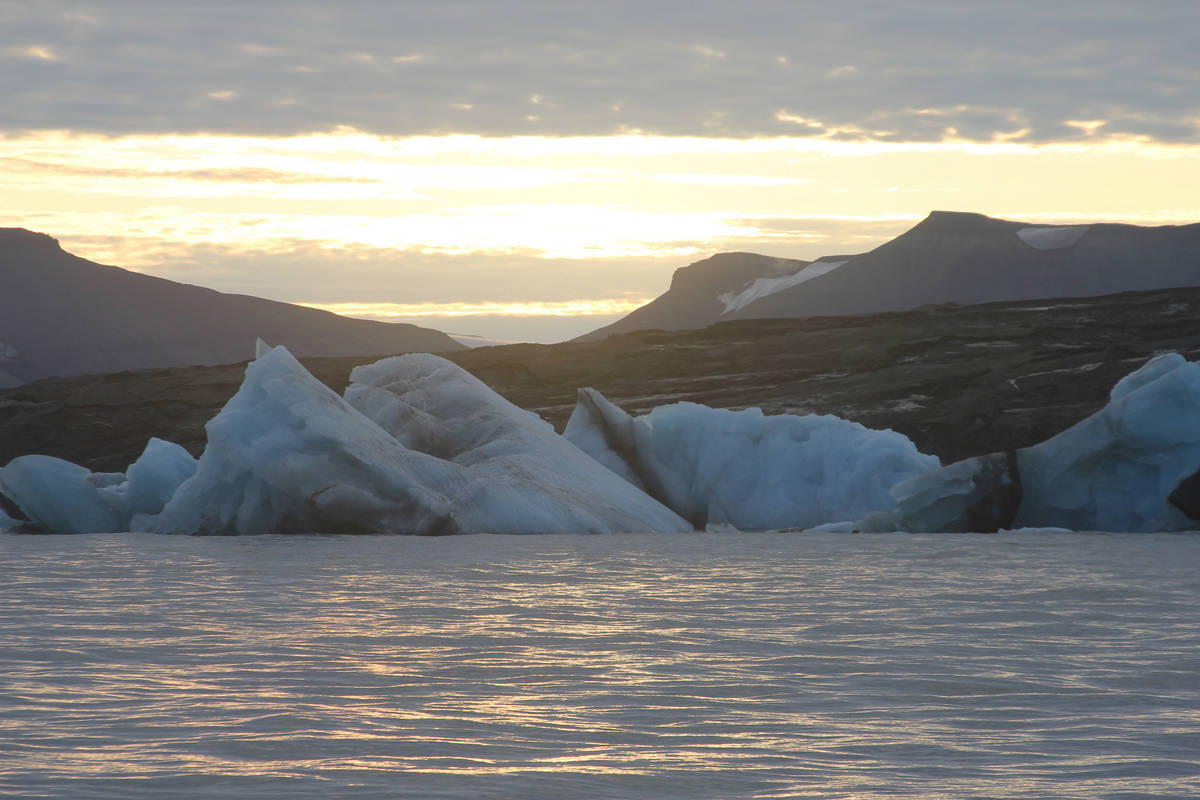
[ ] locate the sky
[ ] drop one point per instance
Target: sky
(534, 170)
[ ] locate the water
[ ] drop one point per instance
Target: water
(641, 666)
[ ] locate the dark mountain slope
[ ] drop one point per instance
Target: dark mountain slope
(692, 301)
(950, 257)
(955, 257)
(64, 315)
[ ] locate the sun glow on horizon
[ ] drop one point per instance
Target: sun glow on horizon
(572, 308)
(590, 217)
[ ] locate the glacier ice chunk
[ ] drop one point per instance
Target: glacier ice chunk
(1152, 370)
(62, 497)
(1120, 469)
(975, 494)
(287, 454)
(1115, 470)
(744, 468)
(151, 481)
(524, 476)
(59, 496)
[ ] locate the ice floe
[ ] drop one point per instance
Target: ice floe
(67, 498)
(287, 454)
(1128, 467)
(418, 445)
(523, 477)
(744, 468)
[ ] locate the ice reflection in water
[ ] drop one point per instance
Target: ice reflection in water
(614, 666)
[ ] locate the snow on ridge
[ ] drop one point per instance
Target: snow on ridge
(1052, 238)
(473, 341)
(762, 287)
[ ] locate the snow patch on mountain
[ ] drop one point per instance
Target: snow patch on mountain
(761, 287)
(1052, 238)
(472, 341)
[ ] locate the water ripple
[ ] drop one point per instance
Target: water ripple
(785, 665)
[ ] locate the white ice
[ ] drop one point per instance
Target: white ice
(524, 477)
(761, 287)
(746, 469)
(287, 454)
(66, 498)
(1052, 238)
(152, 480)
(473, 341)
(933, 502)
(1112, 471)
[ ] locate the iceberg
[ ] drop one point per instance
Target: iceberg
(747, 469)
(523, 477)
(1131, 467)
(417, 446)
(63, 497)
(58, 495)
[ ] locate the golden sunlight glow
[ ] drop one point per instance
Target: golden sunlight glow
(572, 308)
(37, 52)
(650, 202)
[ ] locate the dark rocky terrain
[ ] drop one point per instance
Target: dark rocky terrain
(64, 315)
(950, 257)
(958, 380)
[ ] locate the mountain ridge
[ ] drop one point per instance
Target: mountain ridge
(692, 300)
(949, 257)
(63, 315)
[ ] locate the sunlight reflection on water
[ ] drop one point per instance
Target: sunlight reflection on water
(772, 665)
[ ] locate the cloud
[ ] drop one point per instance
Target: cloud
(1021, 70)
(324, 273)
(218, 175)
(32, 51)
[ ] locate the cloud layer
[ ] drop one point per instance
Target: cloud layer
(916, 71)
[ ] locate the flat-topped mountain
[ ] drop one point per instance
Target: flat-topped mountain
(950, 257)
(63, 315)
(694, 298)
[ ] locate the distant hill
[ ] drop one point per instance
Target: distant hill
(63, 315)
(950, 257)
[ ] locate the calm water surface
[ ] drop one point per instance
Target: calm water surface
(640, 666)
